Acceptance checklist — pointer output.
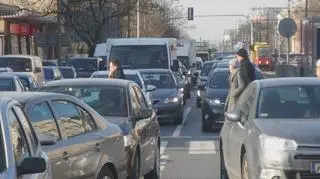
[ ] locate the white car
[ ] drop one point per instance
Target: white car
(132, 75)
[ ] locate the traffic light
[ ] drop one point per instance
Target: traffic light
(190, 13)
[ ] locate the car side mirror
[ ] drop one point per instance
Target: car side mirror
(234, 116)
(145, 113)
(31, 165)
(37, 70)
(151, 88)
(46, 139)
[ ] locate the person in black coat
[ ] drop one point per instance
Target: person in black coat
(115, 71)
(246, 73)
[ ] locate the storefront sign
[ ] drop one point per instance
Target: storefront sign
(23, 29)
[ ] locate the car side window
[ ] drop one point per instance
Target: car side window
(87, 120)
(43, 121)
(18, 138)
(141, 98)
(27, 128)
(70, 119)
(134, 102)
(246, 100)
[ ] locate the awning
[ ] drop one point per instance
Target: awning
(24, 15)
(6, 9)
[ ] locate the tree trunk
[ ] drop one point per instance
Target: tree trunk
(91, 49)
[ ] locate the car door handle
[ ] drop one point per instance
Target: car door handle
(65, 156)
(98, 147)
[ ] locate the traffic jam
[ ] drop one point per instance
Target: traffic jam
(69, 118)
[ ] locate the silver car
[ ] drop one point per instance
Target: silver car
(84, 144)
(132, 75)
(20, 149)
(273, 133)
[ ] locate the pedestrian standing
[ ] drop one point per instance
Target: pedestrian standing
(115, 71)
(245, 75)
(318, 69)
(233, 83)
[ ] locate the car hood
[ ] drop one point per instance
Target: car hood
(303, 131)
(164, 93)
(220, 94)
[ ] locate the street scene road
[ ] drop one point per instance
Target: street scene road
(187, 152)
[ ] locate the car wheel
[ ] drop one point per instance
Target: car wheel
(179, 119)
(155, 173)
(106, 173)
(135, 172)
(223, 170)
(198, 103)
(244, 167)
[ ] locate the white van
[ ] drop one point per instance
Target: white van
(142, 53)
(24, 63)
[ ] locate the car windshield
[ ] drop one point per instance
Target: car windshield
(206, 69)
(223, 65)
(48, 73)
(264, 52)
(107, 101)
(198, 65)
(6, 84)
(84, 64)
(159, 80)
(16, 64)
(301, 101)
(185, 61)
(141, 56)
(219, 80)
(25, 81)
(134, 78)
(67, 72)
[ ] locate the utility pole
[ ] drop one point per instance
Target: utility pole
(59, 30)
(306, 8)
(289, 39)
(138, 18)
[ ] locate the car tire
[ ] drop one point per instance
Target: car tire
(106, 173)
(198, 103)
(135, 172)
(223, 170)
(179, 119)
(155, 172)
(244, 167)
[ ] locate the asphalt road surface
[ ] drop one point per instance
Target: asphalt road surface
(187, 152)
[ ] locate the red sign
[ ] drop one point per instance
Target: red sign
(23, 29)
(15, 29)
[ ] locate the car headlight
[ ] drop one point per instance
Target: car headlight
(270, 143)
(181, 90)
(198, 93)
(171, 100)
(127, 140)
(214, 102)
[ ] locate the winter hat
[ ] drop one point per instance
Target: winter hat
(242, 53)
(234, 62)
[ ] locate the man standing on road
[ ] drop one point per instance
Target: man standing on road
(245, 75)
(115, 71)
(233, 81)
(318, 69)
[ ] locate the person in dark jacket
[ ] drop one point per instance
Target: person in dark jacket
(115, 71)
(244, 76)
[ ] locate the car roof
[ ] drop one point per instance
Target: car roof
(88, 82)
(4, 75)
(90, 58)
(65, 67)
(19, 56)
(25, 97)
(154, 70)
(209, 62)
(125, 71)
(16, 73)
(221, 70)
(288, 81)
(50, 67)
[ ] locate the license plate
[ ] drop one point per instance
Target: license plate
(315, 167)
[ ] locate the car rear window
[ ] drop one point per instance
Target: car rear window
(6, 84)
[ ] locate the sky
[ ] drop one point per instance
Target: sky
(212, 28)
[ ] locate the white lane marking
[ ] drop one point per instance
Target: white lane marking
(179, 127)
(176, 137)
(163, 158)
(202, 147)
